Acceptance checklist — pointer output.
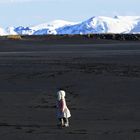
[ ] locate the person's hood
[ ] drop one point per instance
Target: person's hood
(61, 94)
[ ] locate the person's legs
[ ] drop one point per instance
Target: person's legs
(66, 122)
(61, 122)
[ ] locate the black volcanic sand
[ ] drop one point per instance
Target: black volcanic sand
(102, 81)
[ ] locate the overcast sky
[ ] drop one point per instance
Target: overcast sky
(32, 12)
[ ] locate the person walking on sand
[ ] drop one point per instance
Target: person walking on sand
(63, 113)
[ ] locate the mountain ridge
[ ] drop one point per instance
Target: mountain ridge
(95, 24)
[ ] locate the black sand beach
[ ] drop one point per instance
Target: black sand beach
(101, 79)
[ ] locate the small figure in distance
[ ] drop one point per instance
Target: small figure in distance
(63, 113)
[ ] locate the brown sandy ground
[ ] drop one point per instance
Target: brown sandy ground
(102, 81)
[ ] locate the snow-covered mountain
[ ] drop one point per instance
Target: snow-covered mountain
(103, 25)
(99, 24)
(50, 28)
(11, 31)
(2, 32)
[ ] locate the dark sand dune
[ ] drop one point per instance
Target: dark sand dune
(102, 81)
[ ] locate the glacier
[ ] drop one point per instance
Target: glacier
(96, 24)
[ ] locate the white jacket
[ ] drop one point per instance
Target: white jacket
(62, 112)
